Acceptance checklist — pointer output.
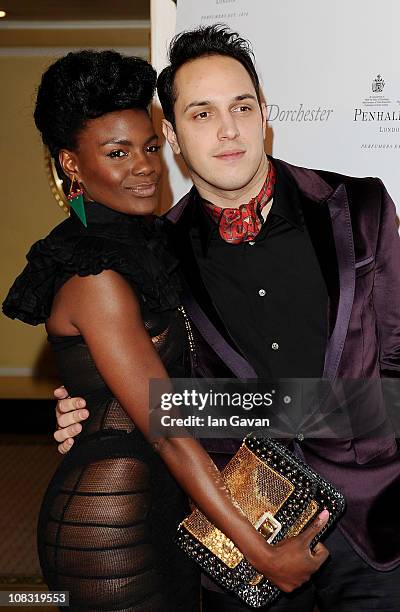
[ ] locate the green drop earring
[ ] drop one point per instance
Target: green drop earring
(75, 198)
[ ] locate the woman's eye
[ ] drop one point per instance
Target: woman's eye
(153, 149)
(117, 153)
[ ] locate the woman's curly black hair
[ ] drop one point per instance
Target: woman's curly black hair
(84, 85)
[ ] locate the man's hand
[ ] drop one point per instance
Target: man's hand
(291, 563)
(70, 411)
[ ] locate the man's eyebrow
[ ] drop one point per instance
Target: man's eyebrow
(124, 141)
(196, 103)
(245, 96)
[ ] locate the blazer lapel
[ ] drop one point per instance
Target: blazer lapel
(343, 236)
(182, 217)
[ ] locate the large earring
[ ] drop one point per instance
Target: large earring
(75, 198)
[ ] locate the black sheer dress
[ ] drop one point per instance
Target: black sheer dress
(107, 521)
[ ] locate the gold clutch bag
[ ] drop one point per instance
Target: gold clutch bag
(279, 495)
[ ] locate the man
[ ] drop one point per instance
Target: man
(297, 275)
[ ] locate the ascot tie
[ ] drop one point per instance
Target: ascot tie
(242, 224)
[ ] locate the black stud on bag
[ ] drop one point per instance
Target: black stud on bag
(280, 495)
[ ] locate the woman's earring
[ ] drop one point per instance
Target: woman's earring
(75, 198)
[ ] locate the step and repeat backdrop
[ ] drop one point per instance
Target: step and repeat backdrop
(330, 78)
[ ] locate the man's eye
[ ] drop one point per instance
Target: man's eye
(153, 149)
(243, 108)
(117, 153)
(202, 115)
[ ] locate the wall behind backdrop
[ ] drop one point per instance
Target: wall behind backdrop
(329, 74)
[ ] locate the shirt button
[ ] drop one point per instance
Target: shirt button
(262, 292)
(275, 346)
(251, 242)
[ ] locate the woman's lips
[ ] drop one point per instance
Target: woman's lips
(146, 190)
(230, 155)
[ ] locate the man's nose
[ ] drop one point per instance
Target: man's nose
(228, 129)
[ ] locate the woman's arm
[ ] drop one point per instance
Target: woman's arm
(106, 312)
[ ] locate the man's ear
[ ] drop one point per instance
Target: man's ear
(170, 136)
(264, 117)
(68, 163)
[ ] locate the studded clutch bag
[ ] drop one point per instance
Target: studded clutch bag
(280, 495)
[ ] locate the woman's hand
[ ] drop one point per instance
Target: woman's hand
(70, 411)
(291, 563)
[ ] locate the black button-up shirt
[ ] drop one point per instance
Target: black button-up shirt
(270, 293)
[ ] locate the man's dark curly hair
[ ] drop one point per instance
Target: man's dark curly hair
(84, 85)
(204, 41)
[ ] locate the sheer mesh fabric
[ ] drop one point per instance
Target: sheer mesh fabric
(109, 516)
(99, 529)
(115, 417)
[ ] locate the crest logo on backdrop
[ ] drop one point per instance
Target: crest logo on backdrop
(378, 84)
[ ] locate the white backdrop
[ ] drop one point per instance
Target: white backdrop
(330, 78)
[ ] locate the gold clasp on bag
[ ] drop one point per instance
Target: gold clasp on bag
(268, 526)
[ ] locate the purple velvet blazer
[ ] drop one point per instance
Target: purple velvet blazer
(363, 281)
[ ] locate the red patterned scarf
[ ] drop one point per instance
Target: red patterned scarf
(242, 224)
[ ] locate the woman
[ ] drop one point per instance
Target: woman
(109, 296)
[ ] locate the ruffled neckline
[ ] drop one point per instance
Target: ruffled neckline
(134, 246)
